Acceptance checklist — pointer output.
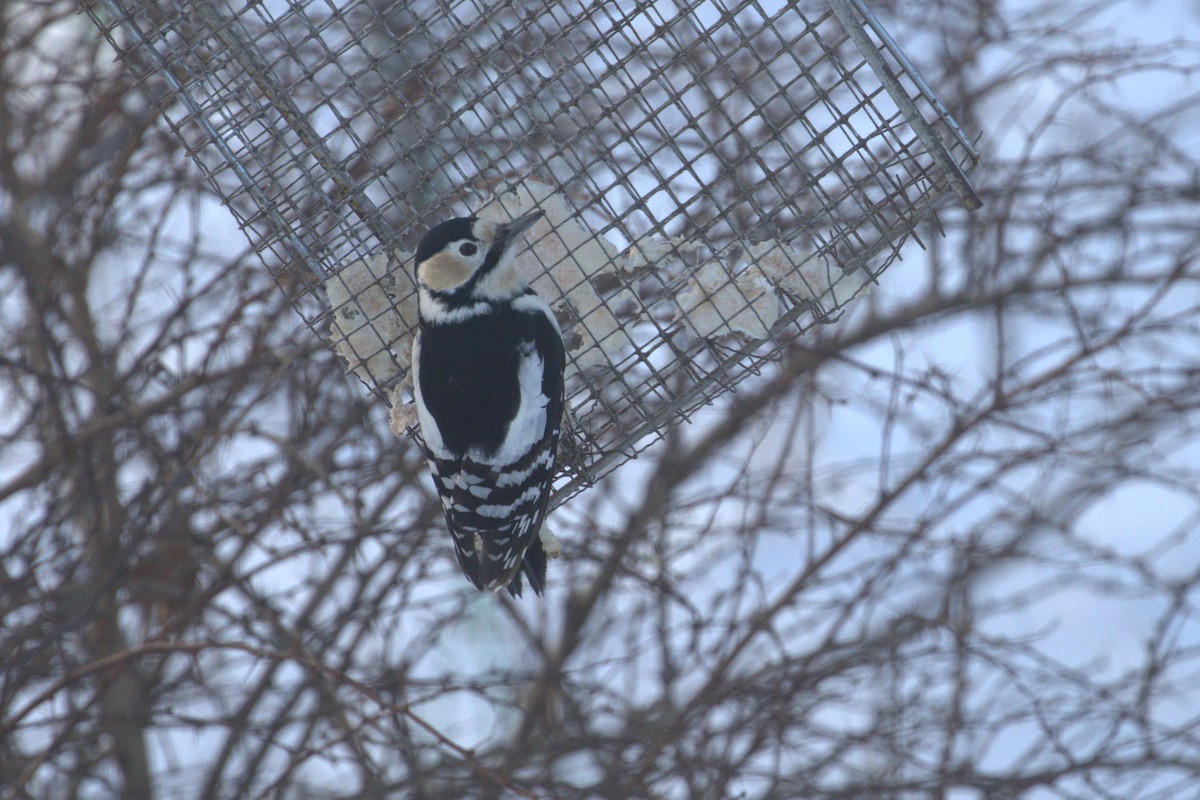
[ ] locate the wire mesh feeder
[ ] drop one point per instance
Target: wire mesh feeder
(715, 175)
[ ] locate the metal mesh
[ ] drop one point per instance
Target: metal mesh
(717, 175)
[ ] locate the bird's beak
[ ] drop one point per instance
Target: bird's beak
(511, 231)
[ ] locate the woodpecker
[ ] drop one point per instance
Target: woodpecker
(488, 364)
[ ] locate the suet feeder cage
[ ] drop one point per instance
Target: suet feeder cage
(717, 176)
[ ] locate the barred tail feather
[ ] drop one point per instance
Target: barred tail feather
(511, 552)
(468, 561)
(495, 527)
(496, 559)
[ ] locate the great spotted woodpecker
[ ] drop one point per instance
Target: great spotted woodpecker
(488, 364)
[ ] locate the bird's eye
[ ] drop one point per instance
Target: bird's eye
(468, 249)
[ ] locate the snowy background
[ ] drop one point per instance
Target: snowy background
(945, 548)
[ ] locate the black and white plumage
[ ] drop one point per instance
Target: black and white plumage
(488, 364)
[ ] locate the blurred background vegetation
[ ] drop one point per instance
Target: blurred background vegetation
(945, 549)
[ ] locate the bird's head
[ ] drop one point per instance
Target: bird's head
(468, 260)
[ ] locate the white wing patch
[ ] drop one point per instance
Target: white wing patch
(529, 424)
(429, 429)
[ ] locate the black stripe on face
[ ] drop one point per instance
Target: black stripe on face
(507, 236)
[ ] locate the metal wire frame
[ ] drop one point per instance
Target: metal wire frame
(705, 131)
